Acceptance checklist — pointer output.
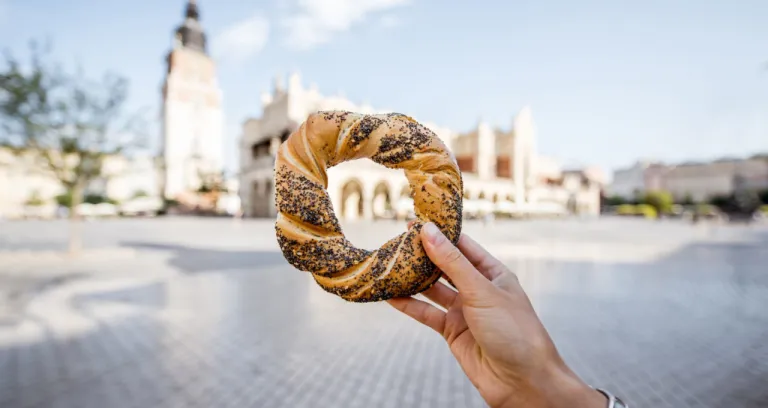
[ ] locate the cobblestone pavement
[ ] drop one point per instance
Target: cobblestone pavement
(206, 313)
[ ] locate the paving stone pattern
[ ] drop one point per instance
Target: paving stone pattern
(207, 314)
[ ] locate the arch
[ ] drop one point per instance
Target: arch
(284, 135)
(510, 197)
(482, 195)
(496, 197)
(467, 195)
(260, 149)
(352, 202)
(256, 199)
(381, 203)
(572, 204)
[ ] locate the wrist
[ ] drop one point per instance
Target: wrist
(559, 387)
(571, 391)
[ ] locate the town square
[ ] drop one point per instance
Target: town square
(206, 312)
(383, 203)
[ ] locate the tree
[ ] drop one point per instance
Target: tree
(719, 200)
(764, 196)
(688, 200)
(65, 122)
(211, 182)
(212, 186)
(661, 201)
(742, 203)
(64, 200)
(35, 200)
(616, 200)
(98, 199)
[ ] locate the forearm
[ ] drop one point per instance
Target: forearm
(571, 392)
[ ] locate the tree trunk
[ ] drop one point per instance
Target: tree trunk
(75, 233)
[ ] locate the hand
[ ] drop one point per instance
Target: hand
(493, 331)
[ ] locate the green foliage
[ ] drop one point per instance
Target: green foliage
(64, 200)
(764, 209)
(626, 209)
(763, 196)
(643, 210)
(647, 211)
(212, 183)
(35, 200)
(140, 194)
(687, 200)
(719, 200)
(746, 201)
(98, 199)
(706, 209)
(742, 202)
(615, 200)
(661, 201)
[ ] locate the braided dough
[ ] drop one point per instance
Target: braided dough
(308, 231)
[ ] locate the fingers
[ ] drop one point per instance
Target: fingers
(440, 294)
(488, 265)
(421, 311)
(453, 263)
(485, 263)
(447, 279)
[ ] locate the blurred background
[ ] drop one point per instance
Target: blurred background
(614, 155)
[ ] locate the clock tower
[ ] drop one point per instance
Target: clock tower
(192, 116)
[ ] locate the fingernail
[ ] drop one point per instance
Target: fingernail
(433, 233)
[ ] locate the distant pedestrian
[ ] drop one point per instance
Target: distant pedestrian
(488, 218)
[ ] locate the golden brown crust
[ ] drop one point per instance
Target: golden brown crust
(308, 231)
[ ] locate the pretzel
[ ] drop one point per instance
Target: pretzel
(308, 231)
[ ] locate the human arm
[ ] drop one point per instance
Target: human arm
(493, 331)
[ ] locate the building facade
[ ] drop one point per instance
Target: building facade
(192, 115)
(701, 181)
(499, 167)
(629, 182)
(24, 180)
(698, 181)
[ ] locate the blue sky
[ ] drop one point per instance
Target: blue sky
(608, 81)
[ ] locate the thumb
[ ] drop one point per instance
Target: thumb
(468, 280)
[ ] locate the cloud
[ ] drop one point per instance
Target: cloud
(315, 22)
(241, 40)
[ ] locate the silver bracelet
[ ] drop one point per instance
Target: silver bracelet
(613, 401)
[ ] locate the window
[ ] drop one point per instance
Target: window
(260, 149)
(503, 168)
(466, 164)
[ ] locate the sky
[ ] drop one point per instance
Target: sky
(609, 82)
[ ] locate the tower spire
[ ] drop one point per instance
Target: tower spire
(190, 33)
(192, 11)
